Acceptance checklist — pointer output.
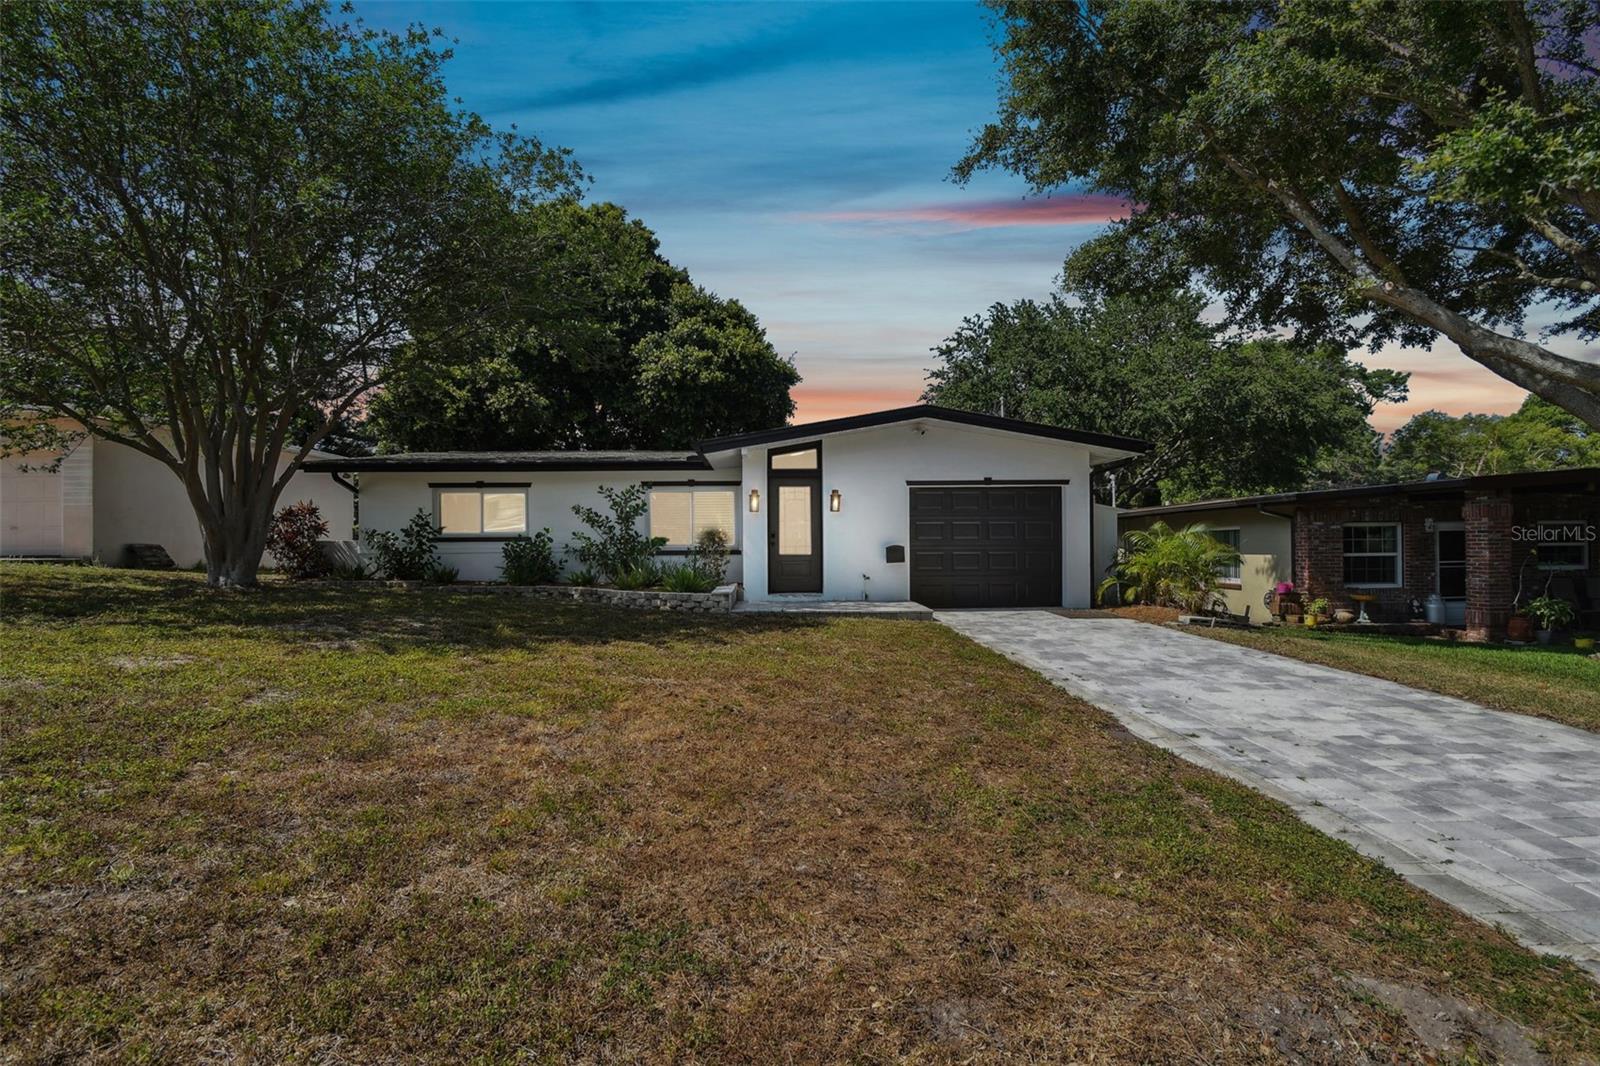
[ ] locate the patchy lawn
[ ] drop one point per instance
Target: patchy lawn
(359, 826)
(1555, 682)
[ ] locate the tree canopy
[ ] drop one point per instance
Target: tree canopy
(1387, 171)
(221, 217)
(1225, 416)
(1538, 436)
(629, 354)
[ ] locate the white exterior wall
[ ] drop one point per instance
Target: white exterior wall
(388, 500)
(870, 468)
(138, 500)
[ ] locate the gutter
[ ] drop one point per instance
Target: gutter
(339, 479)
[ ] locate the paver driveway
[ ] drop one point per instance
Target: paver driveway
(1496, 813)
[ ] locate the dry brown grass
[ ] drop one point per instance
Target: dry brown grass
(367, 827)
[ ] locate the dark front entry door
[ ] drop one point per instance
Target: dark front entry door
(794, 520)
(986, 546)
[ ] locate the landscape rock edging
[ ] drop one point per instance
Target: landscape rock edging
(719, 600)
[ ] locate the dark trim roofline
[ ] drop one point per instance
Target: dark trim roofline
(1441, 487)
(911, 414)
(403, 465)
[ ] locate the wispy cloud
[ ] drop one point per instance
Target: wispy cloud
(1067, 210)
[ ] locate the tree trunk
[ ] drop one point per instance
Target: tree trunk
(234, 521)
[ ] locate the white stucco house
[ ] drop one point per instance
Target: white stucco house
(944, 507)
(100, 497)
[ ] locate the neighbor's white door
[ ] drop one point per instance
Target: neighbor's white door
(30, 511)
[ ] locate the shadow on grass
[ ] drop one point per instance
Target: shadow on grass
(181, 604)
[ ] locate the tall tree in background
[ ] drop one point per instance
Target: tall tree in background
(221, 217)
(1225, 417)
(634, 355)
(1538, 436)
(1394, 171)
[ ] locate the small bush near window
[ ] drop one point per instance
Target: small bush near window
(709, 556)
(644, 576)
(292, 540)
(409, 554)
(616, 547)
(687, 578)
(440, 574)
(530, 560)
(1169, 567)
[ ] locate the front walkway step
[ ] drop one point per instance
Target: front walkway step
(1496, 813)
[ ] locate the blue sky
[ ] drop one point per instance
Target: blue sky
(796, 157)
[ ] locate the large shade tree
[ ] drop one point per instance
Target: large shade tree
(222, 222)
(1537, 436)
(1224, 416)
(1397, 171)
(627, 352)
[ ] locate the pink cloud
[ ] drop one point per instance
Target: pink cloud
(1069, 210)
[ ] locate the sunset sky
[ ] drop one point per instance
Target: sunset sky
(796, 157)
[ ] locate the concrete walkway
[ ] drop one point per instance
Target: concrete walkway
(1496, 813)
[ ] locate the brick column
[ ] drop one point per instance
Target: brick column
(1491, 565)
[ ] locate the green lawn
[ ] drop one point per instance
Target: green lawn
(373, 826)
(1560, 683)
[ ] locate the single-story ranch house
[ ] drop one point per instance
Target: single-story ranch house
(945, 507)
(1472, 542)
(101, 497)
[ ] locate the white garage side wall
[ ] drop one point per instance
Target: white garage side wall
(138, 500)
(388, 500)
(1105, 543)
(47, 503)
(870, 469)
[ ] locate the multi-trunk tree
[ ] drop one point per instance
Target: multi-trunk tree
(1394, 171)
(221, 224)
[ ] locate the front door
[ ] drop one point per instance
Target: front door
(794, 521)
(1450, 551)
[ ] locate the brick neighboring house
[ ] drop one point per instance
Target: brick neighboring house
(1466, 540)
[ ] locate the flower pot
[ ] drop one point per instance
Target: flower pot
(1583, 643)
(1544, 636)
(1344, 616)
(1311, 621)
(1519, 628)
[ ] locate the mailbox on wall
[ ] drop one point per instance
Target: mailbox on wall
(894, 553)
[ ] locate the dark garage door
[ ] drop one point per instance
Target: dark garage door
(986, 546)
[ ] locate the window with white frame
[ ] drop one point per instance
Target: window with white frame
(680, 513)
(1372, 553)
(495, 511)
(1562, 545)
(1230, 537)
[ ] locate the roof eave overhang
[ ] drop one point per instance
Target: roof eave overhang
(364, 464)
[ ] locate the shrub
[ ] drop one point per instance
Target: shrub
(584, 578)
(293, 538)
(530, 560)
(643, 576)
(409, 554)
(616, 546)
(687, 578)
(709, 556)
(1551, 612)
(350, 571)
(1171, 568)
(440, 574)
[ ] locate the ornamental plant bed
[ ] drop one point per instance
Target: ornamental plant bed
(721, 598)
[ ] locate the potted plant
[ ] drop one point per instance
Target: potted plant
(1315, 610)
(1518, 627)
(1551, 613)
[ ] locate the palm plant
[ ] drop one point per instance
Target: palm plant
(1169, 567)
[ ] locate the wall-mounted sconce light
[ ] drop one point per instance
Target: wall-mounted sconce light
(755, 500)
(833, 500)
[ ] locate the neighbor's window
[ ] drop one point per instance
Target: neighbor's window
(1372, 554)
(465, 512)
(1562, 545)
(1230, 537)
(682, 513)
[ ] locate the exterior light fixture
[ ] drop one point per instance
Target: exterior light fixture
(833, 500)
(755, 500)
